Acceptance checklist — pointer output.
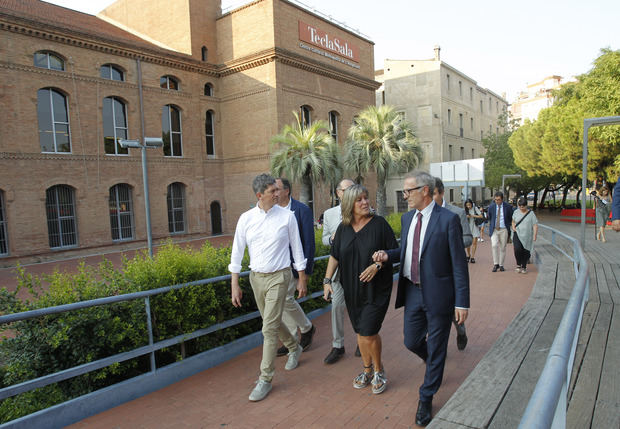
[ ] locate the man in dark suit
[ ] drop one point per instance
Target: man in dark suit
(293, 315)
(615, 208)
(433, 281)
(500, 219)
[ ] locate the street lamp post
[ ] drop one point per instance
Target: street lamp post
(509, 176)
(153, 143)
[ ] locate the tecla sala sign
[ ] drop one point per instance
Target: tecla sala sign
(321, 39)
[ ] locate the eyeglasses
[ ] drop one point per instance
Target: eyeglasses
(407, 191)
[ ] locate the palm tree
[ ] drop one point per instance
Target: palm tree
(306, 154)
(382, 141)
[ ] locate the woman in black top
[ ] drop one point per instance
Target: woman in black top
(367, 285)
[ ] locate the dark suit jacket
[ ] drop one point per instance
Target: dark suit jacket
(444, 274)
(492, 213)
(305, 222)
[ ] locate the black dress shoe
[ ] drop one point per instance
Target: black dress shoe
(501, 268)
(306, 339)
(334, 356)
(461, 336)
(282, 351)
(495, 267)
(357, 352)
(423, 416)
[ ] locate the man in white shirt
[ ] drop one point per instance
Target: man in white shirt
(331, 220)
(268, 231)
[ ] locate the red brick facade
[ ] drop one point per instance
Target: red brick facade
(259, 74)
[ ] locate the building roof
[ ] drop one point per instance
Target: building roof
(67, 20)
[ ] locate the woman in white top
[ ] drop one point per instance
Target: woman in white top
(472, 213)
(525, 230)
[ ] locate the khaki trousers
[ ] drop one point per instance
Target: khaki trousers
(498, 245)
(270, 294)
(293, 315)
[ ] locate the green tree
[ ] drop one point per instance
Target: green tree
(306, 154)
(380, 140)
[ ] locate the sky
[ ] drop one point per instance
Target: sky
(502, 45)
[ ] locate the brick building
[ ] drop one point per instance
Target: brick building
(215, 85)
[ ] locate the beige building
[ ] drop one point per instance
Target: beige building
(216, 86)
(449, 111)
(536, 97)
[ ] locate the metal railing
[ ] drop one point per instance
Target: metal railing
(149, 349)
(548, 403)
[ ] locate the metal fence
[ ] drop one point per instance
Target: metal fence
(548, 403)
(149, 349)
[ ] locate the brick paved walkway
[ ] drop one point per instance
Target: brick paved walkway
(319, 396)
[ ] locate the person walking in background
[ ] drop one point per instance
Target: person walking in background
(603, 209)
(500, 214)
(367, 285)
(525, 230)
(484, 223)
(438, 194)
(331, 220)
(615, 208)
(474, 215)
(268, 231)
(433, 282)
(293, 315)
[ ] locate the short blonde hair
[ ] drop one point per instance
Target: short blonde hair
(348, 201)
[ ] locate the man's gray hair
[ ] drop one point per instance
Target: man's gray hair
(262, 182)
(422, 178)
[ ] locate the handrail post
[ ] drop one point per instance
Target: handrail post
(149, 326)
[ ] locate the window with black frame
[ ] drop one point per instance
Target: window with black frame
(176, 208)
(121, 212)
(61, 219)
(4, 240)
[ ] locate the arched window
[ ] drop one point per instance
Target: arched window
(204, 52)
(208, 89)
(112, 72)
(49, 60)
(121, 212)
(171, 131)
(210, 133)
(305, 116)
(169, 82)
(176, 208)
(4, 239)
(53, 116)
(114, 125)
(333, 124)
(61, 222)
(216, 218)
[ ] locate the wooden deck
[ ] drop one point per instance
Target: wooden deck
(497, 391)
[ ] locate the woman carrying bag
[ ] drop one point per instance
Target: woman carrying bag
(525, 228)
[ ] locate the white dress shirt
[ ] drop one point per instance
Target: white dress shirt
(426, 217)
(268, 236)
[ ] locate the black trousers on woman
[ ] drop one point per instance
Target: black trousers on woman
(522, 255)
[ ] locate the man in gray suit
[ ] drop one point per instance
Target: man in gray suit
(331, 219)
(461, 333)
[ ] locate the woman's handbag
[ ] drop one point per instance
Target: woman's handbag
(479, 220)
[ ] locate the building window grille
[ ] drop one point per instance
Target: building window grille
(4, 239)
(210, 133)
(114, 125)
(208, 89)
(121, 212)
(112, 72)
(61, 220)
(53, 118)
(171, 131)
(176, 208)
(49, 60)
(333, 125)
(169, 82)
(305, 116)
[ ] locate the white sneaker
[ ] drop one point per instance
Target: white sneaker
(261, 390)
(524, 270)
(518, 269)
(293, 359)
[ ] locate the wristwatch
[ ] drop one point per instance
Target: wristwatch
(378, 265)
(327, 281)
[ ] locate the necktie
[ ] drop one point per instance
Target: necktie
(415, 251)
(498, 215)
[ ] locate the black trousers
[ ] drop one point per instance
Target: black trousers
(522, 255)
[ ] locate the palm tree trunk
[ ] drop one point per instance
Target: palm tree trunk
(381, 210)
(305, 192)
